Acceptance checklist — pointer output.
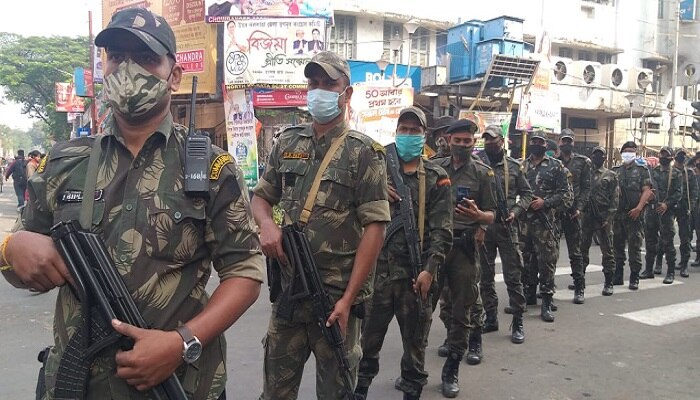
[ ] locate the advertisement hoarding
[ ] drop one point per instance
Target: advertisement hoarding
(374, 110)
(66, 99)
(241, 133)
(223, 11)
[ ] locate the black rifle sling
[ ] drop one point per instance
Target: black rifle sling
(90, 185)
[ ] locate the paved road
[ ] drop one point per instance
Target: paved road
(643, 345)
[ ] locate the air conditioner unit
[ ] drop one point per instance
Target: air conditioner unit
(561, 70)
(586, 73)
(614, 76)
(637, 76)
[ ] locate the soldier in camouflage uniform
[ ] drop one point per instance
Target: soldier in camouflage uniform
(598, 217)
(396, 291)
(472, 189)
(635, 187)
(162, 241)
(345, 230)
(580, 168)
(659, 218)
(696, 211)
(683, 212)
(550, 183)
(503, 236)
(440, 138)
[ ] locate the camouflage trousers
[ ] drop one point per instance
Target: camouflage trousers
(500, 239)
(630, 234)
(571, 230)
(288, 345)
(659, 230)
(460, 276)
(540, 254)
(685, 233)
(396, 298)
(592, 226)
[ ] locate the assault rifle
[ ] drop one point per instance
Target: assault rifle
(502, 211)
(306, 283)
(406, 219)
(103, 297)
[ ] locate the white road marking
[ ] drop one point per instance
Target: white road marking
(659, 316)
(596, 290)
(560, 271)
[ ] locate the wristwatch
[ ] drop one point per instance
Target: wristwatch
(192, 347)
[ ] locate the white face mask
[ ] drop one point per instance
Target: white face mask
(628, 157)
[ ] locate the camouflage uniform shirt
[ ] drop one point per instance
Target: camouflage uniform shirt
(438, 223)
(668, 185)
(478, 177)
(604, 194)
(163, 243)
(550, 181)
(580, 168)
(689, 189)
(519, 193)
(353, 193)
(632, 179)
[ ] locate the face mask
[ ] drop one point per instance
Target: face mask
(628, 157)
(409, 146)
(323, 105)
(665, 161)
(462, 153)
(566, 148)
(537, 150)
(680, 158)
(133, 91)
(597, 160)
(492, 149)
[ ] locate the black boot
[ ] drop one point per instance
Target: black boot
(578, 292)
(531, 295)
(399, 384)
(670, 275)
(572, 286)
(634, 281)
(553, 306)
(443, 350)
(361, 392)
(608, 285)
(649, 270)
(450, 375)
(491, 321)
(407, 396)
(474, 353)
(517, 332)
(618, 278)
(684, 270)
(696, 263)
(546, 313)
(658, 266)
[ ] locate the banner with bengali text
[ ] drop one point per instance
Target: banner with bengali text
(374, 110)
(270, 52)
(223, 11)
(240, 133)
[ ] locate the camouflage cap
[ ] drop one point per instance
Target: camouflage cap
(148, 27)
(493, 131)
(628, 145)
(667, 149)
(463, 125)
(538, 134)
(567, 133)
(600, 149)
(332, 63)
(414, 111)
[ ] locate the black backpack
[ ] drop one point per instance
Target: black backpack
(19, 172)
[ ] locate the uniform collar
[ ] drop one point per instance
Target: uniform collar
(165, 128)
(336, 131)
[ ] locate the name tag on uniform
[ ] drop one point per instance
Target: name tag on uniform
(76, 196)
(291, 155)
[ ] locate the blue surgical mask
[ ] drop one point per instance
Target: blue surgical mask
(323, 105)
(409, 146)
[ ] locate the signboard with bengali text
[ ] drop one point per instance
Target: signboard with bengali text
(240, 133)
(374, 110)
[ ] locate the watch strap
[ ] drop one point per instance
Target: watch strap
(185, 333)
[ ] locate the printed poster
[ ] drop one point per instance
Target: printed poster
(270, 52)
(227, 10)
(485, 118)
(374, 110)
(66, 99)
(240, 133)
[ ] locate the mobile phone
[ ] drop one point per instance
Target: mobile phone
(463, 193)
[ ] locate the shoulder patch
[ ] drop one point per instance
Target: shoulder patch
(444, 182)
(378, 148)
(218, 164)
(42, 164)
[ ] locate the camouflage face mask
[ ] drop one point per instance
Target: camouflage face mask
(133, 91)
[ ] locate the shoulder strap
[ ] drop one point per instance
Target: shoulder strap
(311, 198)
(668, 187)
(90, 184)
(505, 175)
(421, 202)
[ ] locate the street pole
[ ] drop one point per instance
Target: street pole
(93, 106)
(674, 80)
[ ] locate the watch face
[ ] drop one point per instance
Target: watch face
(193, 351)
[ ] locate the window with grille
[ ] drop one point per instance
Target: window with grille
(566, 52)
(392, 30)
(584, 55)
(604, 58)
(420, 47)
(343, 36)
